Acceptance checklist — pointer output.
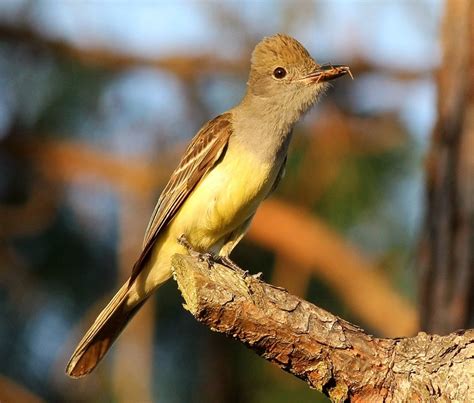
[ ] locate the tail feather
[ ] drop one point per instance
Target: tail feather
(101, 335)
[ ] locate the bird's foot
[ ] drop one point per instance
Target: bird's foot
(228, 262)
(209, 258)
(182, 240)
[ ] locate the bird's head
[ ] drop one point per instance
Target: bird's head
(284, 73)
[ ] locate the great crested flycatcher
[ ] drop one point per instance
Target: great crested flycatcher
(230, 167)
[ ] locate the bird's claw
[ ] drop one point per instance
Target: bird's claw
(207, 258)
(202, 257)
(210, 259)
(227, 262)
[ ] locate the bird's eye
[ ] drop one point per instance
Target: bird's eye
(279, 73)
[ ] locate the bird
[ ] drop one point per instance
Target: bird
(232, 164)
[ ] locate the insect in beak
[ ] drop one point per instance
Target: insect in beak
(328, 72)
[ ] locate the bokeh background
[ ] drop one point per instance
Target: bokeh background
(98, 100)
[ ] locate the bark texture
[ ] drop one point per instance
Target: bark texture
(447, 249)
(329, 353)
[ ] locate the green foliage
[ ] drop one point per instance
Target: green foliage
(363, 183)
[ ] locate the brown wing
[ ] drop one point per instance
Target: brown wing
(201, 155)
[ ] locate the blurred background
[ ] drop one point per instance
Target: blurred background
(98, 100)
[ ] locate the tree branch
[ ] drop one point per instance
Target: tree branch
(330, 354)
(352, 276)
(363, 289)
(447, 253)
(183, 66)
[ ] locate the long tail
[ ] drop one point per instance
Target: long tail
(101, 335)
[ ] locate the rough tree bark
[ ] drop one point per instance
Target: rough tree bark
(330, 354)
(447, 250)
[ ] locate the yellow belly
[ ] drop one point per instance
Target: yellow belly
(224, 199)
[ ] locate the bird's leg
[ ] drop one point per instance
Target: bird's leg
(228, 262)
(209, 258)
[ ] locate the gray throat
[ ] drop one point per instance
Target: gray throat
(263, 128)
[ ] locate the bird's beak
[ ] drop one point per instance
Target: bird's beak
(328, 72)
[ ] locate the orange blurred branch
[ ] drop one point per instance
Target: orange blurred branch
(447, 247)
(310, 243)
(185, 66)
(368, 294)
(68, 161)
(31, 216)
(11, 391)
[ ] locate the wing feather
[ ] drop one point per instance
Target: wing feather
(204, 151)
